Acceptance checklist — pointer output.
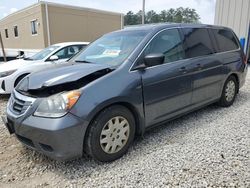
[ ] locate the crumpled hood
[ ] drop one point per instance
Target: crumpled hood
(62, 74)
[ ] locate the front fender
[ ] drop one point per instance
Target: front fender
(115, 88)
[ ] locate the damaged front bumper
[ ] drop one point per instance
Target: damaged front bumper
(58, 138)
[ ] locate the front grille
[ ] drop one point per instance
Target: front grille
(3, 85)
(19, 106)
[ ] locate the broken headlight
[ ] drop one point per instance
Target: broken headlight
(57, 105)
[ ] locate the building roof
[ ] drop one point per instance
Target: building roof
(63, 6)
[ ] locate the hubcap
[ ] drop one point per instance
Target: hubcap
(114, 135)
(230, 91)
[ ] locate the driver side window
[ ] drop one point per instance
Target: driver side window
(169, 44)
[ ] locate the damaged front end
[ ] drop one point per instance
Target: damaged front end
(46, 91)
(58, 90)
(44, 84)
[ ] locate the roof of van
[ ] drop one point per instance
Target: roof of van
(159, 26)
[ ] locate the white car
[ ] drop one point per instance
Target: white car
(12, 72)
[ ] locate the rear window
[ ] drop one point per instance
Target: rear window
(226, 40)
(197, 42)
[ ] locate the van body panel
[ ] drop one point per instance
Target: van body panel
(191, 76)
(166, 90)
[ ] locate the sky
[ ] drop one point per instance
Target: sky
(205, 8)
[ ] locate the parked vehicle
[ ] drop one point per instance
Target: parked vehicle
(122, 84)
(12, 72)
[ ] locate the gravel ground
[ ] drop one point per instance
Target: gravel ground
(208, 148)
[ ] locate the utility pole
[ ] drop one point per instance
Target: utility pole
(143, 12)
(1, 42)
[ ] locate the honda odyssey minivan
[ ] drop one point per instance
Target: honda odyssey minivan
(122, 84)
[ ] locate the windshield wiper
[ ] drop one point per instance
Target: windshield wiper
(82, 61)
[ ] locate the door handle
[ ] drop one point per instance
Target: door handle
(183, 70)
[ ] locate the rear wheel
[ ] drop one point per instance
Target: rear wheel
(110, 134)
(229, 92)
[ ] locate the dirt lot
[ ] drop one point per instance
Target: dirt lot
(208, 148)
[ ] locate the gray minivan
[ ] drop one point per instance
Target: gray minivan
(122, 84)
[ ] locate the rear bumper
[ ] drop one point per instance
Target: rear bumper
(243, 76)
(60, 139)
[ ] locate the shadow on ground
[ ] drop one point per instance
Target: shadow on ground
(4, 97)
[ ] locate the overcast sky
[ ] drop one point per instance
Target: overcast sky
(205, 8)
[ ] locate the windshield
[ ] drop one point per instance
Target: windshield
(42, 54)
(111, 49)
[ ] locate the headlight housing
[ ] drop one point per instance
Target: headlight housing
(57, 105)
(6, 73)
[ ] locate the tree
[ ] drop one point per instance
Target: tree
(171, 15)
(190, 16)
(179, 15)
(139, 17)
(130, 18)
(163, 16)
(152, 17)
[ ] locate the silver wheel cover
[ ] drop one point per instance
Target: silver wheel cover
(114, 135)
(230, 91)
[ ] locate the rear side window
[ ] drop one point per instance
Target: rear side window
(226, 40)
(169, 43)
(197, 42)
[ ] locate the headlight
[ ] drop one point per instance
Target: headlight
(57, 105)
(7, 73)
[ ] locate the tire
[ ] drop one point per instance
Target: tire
(229, 92)
(104, 134)
(19, 79)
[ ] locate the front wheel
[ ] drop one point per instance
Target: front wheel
(229, 92)
(110, 134)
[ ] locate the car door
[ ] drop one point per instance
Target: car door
(167, 88)
(207, 77)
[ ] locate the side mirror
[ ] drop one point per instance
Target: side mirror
(154, 59)
(53, 58)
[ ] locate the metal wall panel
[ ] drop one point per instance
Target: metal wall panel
(234, 14)
(225, 12)
(231, 16)
(245, 18)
